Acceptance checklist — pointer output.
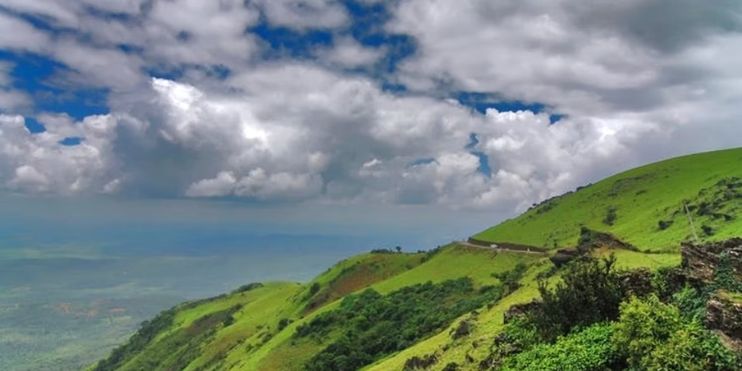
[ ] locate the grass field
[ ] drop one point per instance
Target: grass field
(641, 198)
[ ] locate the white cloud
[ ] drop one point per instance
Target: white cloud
(221, 185)
(349, 53)
(281, 130)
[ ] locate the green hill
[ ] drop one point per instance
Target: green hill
(643, 206)
(445, 309)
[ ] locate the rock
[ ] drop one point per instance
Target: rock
(724, 313)
(701, 261)
(564, 256)
(637, 282)
(590, 239)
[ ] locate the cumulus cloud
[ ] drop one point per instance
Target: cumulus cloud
(40, 163)
(221, 122)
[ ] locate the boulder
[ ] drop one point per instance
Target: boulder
(724, 314)
(637, 282)
(590, 239)
(701, 261)
(564, 256)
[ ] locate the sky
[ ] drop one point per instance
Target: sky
(320, 110)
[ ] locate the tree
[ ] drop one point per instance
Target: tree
(398, 248)
(590, 292)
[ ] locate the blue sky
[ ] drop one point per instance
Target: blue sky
(476, 106)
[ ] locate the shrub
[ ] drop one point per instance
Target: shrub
(691, 302)
(590, 292)
(664, 224)
(610, 216)
(589, 349)
(692, 348)
(283, 323)
(420, 362)
(510, 279)
(248, 287)
(642, 327)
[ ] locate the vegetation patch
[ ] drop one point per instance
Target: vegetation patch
(372, 325)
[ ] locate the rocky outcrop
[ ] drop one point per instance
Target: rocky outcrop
(590, 239)
(636, 282)
(700, 262)
(724, 313)
(564, 256)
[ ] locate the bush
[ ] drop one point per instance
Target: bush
(248, 287)
(420, 362)
(642, 327)
(589, 349)
(590, 292)
(691, 303)
(664, 224)
(283, 323)
(692, 348)
(610, 216)
(510, 279)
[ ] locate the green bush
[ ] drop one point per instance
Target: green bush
(589, 349)
(610, 216)
(511, 279)
(692, 348)
(651, 335)
(642, 327)
(590, 292)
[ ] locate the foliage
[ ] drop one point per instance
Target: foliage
(724, 277)
(518, 335)
(644, 325)
(691, 302)
(511, 279)
(652, 335)
(610, 216)
(420, 362)
(248, 287)
(590, 292)
(138, 341)
(282, 323)
(372, 325)
(692, 348)
(589, 349)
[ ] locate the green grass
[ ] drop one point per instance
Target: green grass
(641, 197)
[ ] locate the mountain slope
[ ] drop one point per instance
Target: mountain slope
(647, 203)
(369, 299)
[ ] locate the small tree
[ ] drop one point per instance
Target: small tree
(590, 292)
(398, 248)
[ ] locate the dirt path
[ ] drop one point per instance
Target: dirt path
(469, 244)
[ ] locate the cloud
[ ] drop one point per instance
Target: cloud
(196, 112)
(348, 53)
(303, 14)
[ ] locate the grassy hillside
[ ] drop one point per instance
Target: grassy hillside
(646, 205)
(433, 310)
